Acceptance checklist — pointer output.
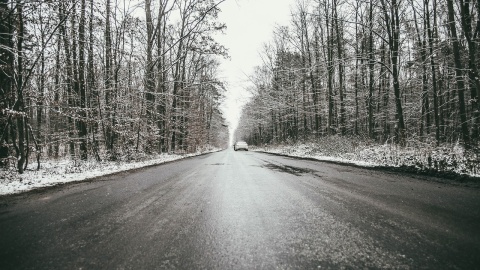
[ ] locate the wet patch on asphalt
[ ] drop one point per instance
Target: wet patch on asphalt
(288, 169)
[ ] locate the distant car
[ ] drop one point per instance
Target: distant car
(240, 145)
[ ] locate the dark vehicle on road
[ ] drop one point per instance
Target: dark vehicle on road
(240, 146)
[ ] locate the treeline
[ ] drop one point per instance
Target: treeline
(386, 70)
(109, 79)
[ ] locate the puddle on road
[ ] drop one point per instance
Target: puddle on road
(218, 164)
(289, 169)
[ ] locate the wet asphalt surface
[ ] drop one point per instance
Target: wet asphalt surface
(244, 210)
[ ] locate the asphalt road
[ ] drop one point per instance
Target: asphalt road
(244, 210)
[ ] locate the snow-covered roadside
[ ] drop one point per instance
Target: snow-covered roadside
(64, 171)
(304, 151)
(422, 158)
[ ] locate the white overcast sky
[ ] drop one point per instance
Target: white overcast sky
(250, 24)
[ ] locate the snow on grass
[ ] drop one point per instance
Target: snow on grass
(417, 156)
(64, 171)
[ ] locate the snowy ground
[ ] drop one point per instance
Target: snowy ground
(63, 171)
(447, 160)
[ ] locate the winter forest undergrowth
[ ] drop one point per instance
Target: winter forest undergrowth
(62, 171)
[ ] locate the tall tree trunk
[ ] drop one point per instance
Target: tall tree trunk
(92, 92)
(161, 76)
(371, 68)
(56, 99)
(41, 89)
(6, 76)
(19, 104)
(330, 70)
(458, 73)
(69, 77)
(316, 97)
(307, 55)
(75, 113)
(357, 57)
(385, 85)
(436, 115)
(149, 72)
(341, 69)
(392, 20)
(472, 38)
(422, 45)
(81, 84)
(178, 76)
(109, 131)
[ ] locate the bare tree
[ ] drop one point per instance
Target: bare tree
(458, 72)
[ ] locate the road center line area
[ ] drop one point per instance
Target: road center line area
(244, 210)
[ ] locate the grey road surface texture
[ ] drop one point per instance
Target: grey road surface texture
(244, 210)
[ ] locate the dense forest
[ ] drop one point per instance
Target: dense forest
(109, 79)
(384, 71)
